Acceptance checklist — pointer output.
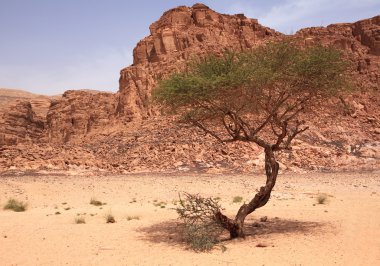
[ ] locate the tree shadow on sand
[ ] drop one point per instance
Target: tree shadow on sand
(170, 232)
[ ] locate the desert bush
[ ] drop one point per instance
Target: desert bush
(110, 219)
(322, 199)
(201, 229)
(80, 220)
(15, 205)
(96, 202)
(199, 237)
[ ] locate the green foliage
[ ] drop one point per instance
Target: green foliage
(256, 95)
(15, 205)
(243, 81)
(201, 230)
(199, 237)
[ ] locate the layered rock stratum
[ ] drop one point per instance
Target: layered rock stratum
(124, 132)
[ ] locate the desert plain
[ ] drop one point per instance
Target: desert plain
(344, 230)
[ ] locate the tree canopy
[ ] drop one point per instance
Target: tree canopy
(256, 96)
(247, 93)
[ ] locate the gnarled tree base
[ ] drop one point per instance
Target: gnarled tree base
(236, 226)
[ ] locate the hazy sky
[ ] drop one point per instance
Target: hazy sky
(49, 46)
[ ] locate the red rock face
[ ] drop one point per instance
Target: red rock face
(78, 113)
(176, 37)
(360, 41)
(123, 132)
(368, 33)
(20, 124)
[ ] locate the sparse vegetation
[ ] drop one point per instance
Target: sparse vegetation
(322, 199)
(256, 96)
(199, 238)
(201, 230)
(237, 199)
(96, 202)
(80, 220)
(110, 219)
(161, 204)
(15, 205)
(130, 218)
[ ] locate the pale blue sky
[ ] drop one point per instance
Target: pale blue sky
(49, 46)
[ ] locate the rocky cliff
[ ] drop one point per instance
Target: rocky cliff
(79, 113)
(180, 34)
(360, 41)
(123, 132)
(20, 124)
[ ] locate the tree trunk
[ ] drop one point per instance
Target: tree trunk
(236, 226)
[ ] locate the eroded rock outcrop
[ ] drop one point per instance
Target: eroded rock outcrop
(20, 124)
(79, 113)
(182, 33)
(360, 41)
(122, 132)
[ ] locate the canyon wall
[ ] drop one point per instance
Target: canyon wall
(124, 131)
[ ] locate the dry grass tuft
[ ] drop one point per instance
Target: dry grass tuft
(15, 205)
(80, 220)
(322, 199)
(237, 199)
(129, 218)
(110, 219)
(96, 202)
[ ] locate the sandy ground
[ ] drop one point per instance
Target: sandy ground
(344, 231)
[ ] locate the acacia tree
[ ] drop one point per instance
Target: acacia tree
(254, 96)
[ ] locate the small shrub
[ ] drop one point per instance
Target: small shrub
(129, 218)
(201, 230)
(15, 205)
(80, 220)
(96, 202)
(322, 199)
(199, 237)
(110, 219)
(237, 199)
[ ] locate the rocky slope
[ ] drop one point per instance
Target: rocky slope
(22, 116)
(123, 132)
